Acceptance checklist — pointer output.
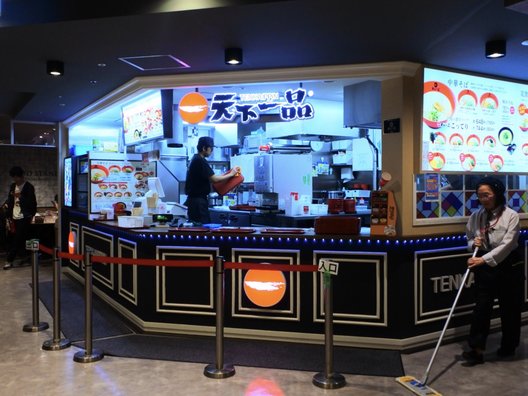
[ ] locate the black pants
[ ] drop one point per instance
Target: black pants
(504, 282)
(17, 243)
(198, 210)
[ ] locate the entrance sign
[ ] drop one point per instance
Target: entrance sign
(328, 266)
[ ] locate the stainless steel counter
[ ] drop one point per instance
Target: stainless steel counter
(242, 218)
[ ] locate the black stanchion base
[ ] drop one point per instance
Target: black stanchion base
(83, 357)
(51, 345)
(332, 381)
(228, 370)
(31, 328)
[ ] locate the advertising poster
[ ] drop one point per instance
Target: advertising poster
(473, 124)
(118, 181)
(432, 187)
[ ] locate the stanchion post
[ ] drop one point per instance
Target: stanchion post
(36, 325)
(56, 343)
(328, 379)
(89, 355)
(219, 369)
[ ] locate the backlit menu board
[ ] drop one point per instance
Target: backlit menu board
(118, 181)
(473, 124)
(143, 119)
(68, 182)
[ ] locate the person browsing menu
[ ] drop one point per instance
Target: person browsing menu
(498, 270)
(200, 175)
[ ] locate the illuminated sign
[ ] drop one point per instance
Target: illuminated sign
(259, 97)
(193, 108)
(264, 288)
(71, 242)
(473, 124)
(226, 107)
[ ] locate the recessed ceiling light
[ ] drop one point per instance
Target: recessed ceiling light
(495, 49)
(101, 64)
(93, 81)
(233, 56)
(55, 68)
(525, 43)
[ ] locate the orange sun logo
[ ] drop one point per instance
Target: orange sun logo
(193, 108)
(264, 288)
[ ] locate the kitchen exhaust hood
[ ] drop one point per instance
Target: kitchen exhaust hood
(362, 105)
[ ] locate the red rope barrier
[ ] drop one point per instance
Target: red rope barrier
(45, 249)
(272, 267)
(183, 263)
(70, 256)
(152, 262)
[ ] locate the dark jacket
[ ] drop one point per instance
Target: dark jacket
(28, 201)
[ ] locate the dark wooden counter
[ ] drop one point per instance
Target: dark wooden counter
(389, 293)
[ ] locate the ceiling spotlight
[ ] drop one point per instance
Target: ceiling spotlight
(233, 56)
(495, 49)
(55, 68)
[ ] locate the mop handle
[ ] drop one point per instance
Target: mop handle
(426, 375)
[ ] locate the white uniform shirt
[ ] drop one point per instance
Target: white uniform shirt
(17, 212)
(503, 233)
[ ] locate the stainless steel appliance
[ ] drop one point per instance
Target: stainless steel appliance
(283, 174)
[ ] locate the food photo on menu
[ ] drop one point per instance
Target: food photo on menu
(114, 181)
(473, 124)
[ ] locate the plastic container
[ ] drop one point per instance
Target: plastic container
(345, 225)
(222, 188)
(335, 205)
(349, 205)
(130, 221)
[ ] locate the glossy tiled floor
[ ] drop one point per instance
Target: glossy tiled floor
(25, 369)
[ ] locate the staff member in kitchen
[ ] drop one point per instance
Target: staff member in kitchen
(200, 175)
(498, 270)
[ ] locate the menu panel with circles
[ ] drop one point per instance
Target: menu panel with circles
(473, 124)
(114, 181)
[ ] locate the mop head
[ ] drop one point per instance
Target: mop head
(416, 386)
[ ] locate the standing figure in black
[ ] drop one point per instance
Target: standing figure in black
(498, 270)
(200, 175)
(21, 207)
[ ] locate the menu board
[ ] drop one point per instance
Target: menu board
(118, 181)
(473, 124)
(143, 119)
(68, 182)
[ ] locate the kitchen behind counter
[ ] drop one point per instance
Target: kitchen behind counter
(245, 218)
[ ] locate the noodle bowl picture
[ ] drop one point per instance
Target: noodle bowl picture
(468, 161)
(467, 99)
(490, 142)
(473, 141)
(489, 101)
(438, 104)
(496, 162)
(524, 125)
(436, 161)
(456, 139)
